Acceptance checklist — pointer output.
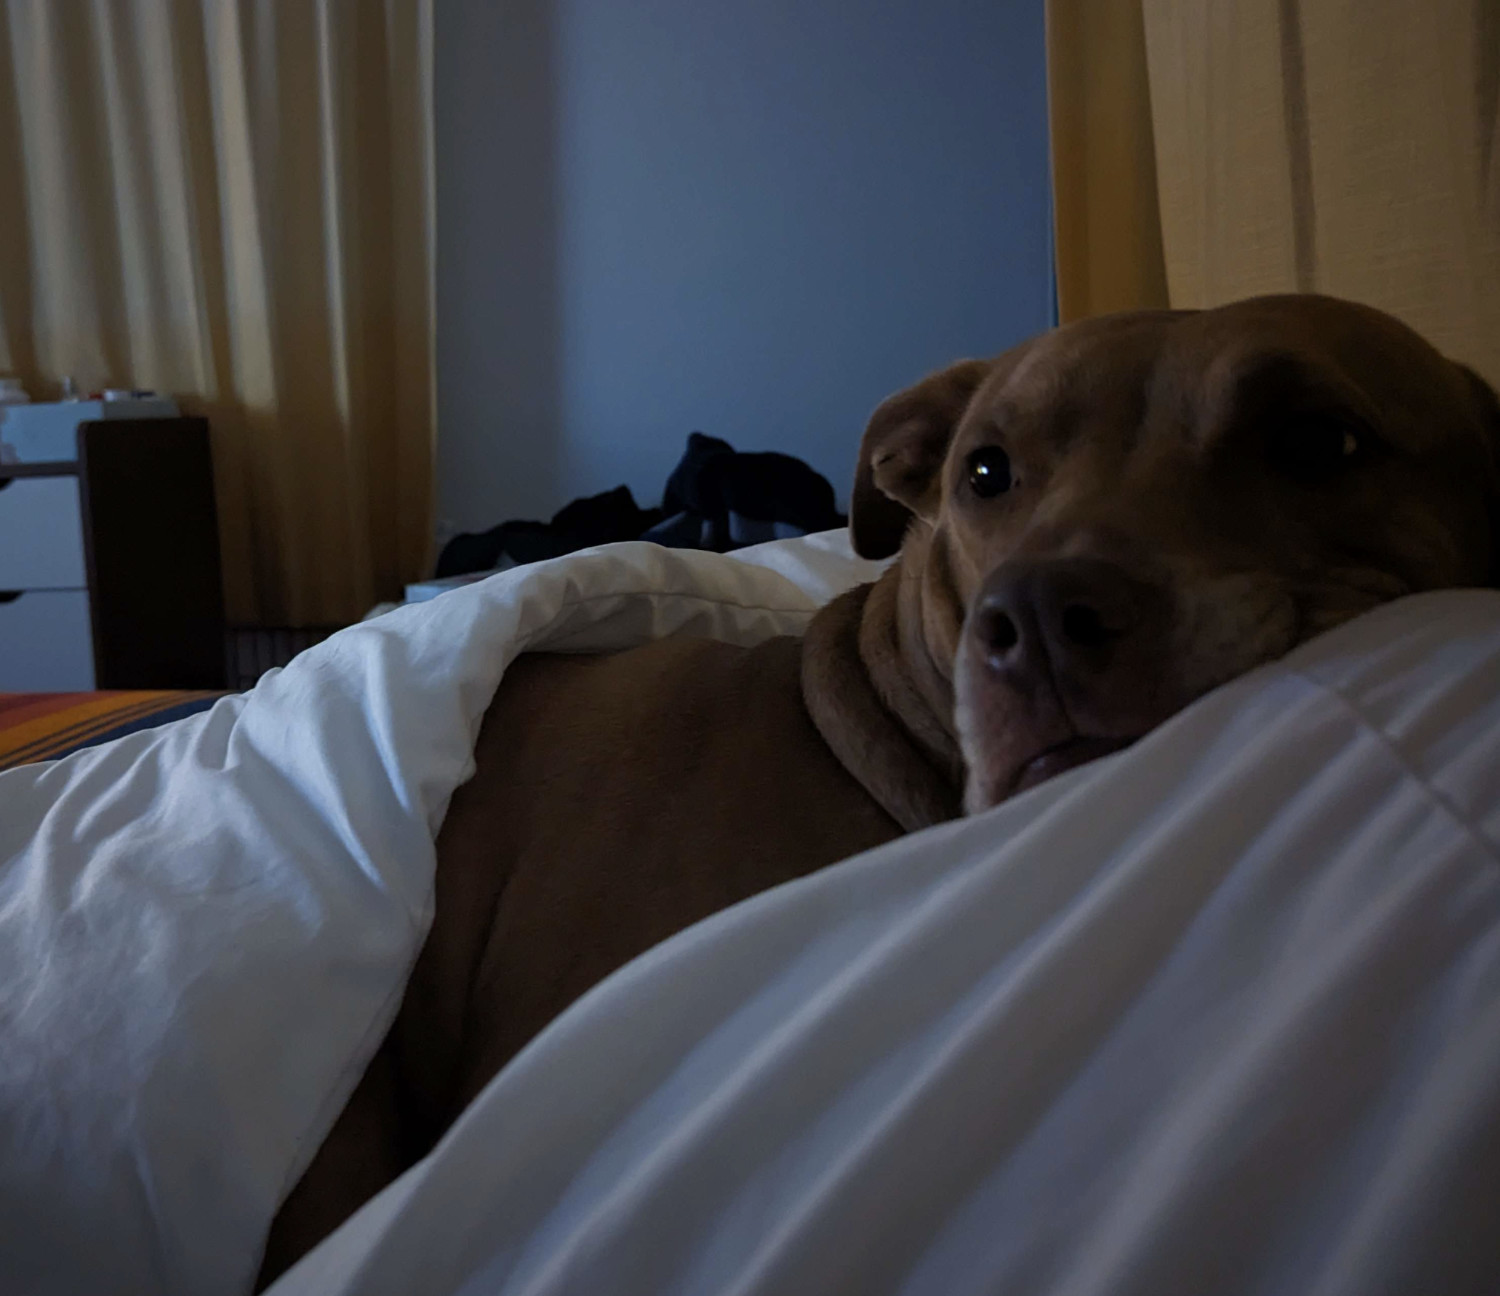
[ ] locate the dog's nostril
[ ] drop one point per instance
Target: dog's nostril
(1082, 625)
(999, 631)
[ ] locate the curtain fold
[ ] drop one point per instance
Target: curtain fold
(231, 201)
(1107, 229)
(1338, 146)
(1345, 148)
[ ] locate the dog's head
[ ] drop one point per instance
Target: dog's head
(1108, 521)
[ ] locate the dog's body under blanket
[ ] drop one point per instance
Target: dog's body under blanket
(617, 799)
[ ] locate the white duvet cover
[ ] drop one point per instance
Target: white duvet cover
(1219, 1013)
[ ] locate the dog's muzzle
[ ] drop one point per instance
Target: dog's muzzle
(1062, 661)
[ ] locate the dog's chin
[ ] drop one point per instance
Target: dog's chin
(1005, 779)
(1063, 756)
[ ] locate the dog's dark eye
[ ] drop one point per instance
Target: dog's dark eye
(1314, 449)
(989, 472)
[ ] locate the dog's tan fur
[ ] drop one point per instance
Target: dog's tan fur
(619, 799)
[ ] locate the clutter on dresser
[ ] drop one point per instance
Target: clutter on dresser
(717, 498)
(11, 393)
(47, 431)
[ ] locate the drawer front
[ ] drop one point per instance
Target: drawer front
(46, 645)
(41, 534)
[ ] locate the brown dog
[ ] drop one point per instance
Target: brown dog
(1094, 529)
(1122, 514)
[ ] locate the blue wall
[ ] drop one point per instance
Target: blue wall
(756, 219)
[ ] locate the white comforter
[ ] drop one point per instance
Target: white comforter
(1220, 1013)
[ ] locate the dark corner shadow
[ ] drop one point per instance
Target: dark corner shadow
(499, 316)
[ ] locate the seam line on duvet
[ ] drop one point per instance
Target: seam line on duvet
(1491, 848)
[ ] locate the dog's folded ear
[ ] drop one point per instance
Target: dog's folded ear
(903, 448)
(1488, 404)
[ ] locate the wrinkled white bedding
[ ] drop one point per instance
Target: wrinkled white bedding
(205, 928)
(1219, 1013)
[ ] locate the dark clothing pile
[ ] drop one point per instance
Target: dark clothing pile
(716, 498)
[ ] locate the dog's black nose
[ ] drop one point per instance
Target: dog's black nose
(1034, 619)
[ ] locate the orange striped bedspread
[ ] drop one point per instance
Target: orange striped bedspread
(44, 726)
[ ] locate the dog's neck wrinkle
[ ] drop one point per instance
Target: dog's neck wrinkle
(931, 672)
(870, 739)
(894, 649)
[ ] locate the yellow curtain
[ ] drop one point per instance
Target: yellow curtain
(1107, 227)
(231, 201)
(1338, 147)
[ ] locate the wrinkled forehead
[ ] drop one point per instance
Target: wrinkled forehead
(1186, 366)
(1080, 358)
(1313, 355)
(1076, 371)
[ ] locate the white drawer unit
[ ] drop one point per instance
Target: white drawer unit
(46, 645)
(46, 640)
(41, 534)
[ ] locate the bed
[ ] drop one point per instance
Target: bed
(49, 726)
(1218, 1013)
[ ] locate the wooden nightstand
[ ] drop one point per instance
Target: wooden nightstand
(109, 564)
